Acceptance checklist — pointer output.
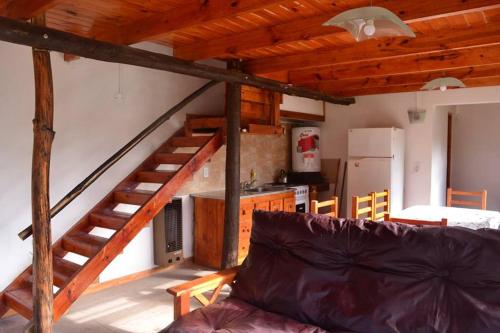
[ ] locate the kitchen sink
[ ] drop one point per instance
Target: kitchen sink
(262, 189)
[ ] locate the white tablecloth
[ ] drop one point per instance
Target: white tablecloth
(457, 217)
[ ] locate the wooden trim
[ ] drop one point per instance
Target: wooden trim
(302, 116)
(183, 292)
(132, 277)
(27, 34)
(442, 223)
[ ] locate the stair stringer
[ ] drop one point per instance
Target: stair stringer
(116, 243)
(82, 225)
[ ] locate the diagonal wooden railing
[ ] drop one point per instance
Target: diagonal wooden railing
(78, 189)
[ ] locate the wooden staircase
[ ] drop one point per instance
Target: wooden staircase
(72, 279)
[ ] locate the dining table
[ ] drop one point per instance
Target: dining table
(457, 217)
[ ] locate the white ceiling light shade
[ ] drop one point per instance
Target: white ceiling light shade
(443, 84)
(371, 22)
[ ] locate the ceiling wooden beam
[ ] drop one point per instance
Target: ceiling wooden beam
(311, 28)
(379, 49)
(191, 14)
(26, 9)
(22, 33)
(404, 79)
(438, 61)
(470, 83)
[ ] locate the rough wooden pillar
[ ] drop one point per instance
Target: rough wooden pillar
(232, 196)
(42, 143)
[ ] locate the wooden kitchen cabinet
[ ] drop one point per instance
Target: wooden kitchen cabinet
(260, 111)
(209, 224)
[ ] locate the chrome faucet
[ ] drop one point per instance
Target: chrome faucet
(246, 185)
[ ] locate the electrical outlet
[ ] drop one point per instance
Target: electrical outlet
(205, 172)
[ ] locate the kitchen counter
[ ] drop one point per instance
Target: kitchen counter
(220, 195)
(209, 211)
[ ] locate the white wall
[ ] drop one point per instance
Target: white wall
(425, 164)
(475, 150)
(90, 125)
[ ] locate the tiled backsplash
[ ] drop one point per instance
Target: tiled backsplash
(266, 154)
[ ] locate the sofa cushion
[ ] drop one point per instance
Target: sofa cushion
(235, 316)
(372, 277)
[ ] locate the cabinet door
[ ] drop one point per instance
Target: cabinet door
(276, 205)
(289, 204)
(262, 205)
(245, 230)
(243, 247)
(246, 210)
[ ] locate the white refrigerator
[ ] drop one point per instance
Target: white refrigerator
(375, 163)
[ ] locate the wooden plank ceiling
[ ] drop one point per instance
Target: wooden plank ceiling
(285, 39)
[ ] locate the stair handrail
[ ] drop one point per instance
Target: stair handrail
(78, 189)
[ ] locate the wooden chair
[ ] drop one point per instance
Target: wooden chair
(442, 223)
(362, 206)
(481, 204)
(333, 204)
(385, 204)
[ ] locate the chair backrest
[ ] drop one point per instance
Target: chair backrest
(381, 206)
(363, 206)
(442, 223)
(333, 204)
(481, 203)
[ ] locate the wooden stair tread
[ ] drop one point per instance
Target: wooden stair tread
(21, 300)
(84, 244)
(134, 197)
(108, 220)
(64, 269)
(173, 158)
(206, 122)
(189, 141)
(160, 177)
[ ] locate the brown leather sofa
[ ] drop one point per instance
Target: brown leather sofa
(310, 273)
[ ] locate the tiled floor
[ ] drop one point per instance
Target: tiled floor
(141, 306)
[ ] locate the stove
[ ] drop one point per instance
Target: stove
(301, 198)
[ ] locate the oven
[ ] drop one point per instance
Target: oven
(301, 198)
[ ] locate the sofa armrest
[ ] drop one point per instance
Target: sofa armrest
(183, 292)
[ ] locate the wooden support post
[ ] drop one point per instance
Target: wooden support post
(232, 198)
(42, 144)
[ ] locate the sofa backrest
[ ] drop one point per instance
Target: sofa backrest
(369, 277)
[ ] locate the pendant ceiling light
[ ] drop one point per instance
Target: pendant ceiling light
(443, 84)
(371, 22)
